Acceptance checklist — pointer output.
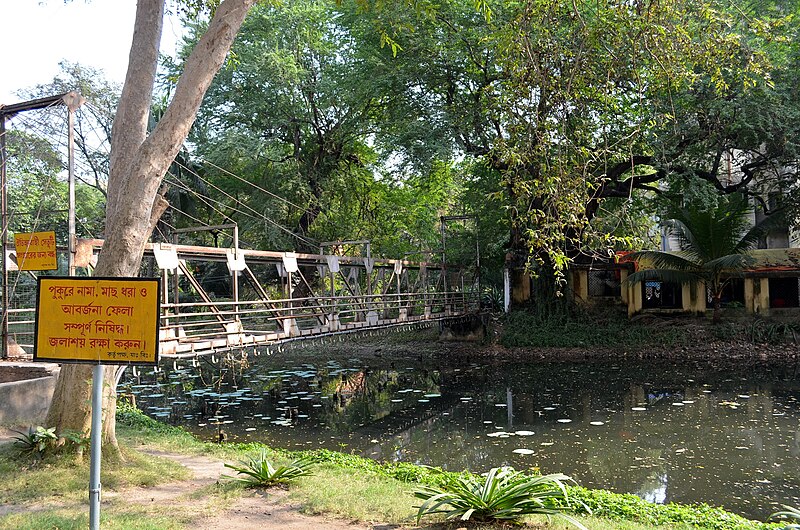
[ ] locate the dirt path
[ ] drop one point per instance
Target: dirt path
(252, 510)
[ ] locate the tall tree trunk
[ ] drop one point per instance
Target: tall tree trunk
(138, 165)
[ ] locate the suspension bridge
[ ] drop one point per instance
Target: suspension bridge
(218, 298)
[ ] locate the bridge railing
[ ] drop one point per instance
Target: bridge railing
(261, 297)
(197, 328)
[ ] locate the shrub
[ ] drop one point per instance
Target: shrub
(259, 471)
(504, 494)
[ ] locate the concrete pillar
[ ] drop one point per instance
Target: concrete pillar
(635, 303)
(623, 277)
(694, 297)
(580, 284)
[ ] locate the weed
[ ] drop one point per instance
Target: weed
(765, 332)
(36, 441)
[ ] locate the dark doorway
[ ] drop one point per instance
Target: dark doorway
(783, 292)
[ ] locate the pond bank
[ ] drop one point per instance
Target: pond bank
(350, 493)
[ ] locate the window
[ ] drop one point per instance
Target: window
(604, 283)
(732, 294)
(662, 295)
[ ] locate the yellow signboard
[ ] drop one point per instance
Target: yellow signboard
(36, 251)
(97, 320)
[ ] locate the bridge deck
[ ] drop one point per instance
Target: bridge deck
(224, 298)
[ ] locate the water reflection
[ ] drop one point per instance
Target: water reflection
(692, 433)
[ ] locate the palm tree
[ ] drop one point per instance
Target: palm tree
(716, 243)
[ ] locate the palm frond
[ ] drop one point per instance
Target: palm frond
(788, 512)
(663, 260)
(730, 263)
(665, 275)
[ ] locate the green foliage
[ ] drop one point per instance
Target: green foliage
(258, 471)
(131, 416)
(630, 507)
(576, 329)
(765, 332)
(36, 441)
(791, 513)
(492, 298)
(504, 494)
(601, 503)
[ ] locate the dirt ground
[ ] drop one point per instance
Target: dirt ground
(254, 509)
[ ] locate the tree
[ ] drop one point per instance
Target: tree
(571, 103)
(137, 166)
(715, 242)
(92, 122)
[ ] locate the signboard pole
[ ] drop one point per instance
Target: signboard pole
(96, 450)
(100, 321)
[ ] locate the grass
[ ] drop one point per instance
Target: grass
(360, 496)
(346, 486)
(59, 477)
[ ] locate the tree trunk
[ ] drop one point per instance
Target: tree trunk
(138, 165)
(716, 315)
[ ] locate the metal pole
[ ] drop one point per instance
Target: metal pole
(444, 258)
(96, 449)
(236, 273)
(73, 101)
(4, 235)
(478, 260)
(72, 243)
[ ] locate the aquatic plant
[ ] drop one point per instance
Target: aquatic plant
(789, 512)
(503, 494)
(259, 471)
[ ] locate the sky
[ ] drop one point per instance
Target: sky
(38, 34)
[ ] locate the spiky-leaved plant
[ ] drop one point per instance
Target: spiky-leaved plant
(259, 471)
(788, 513)
(504, 494)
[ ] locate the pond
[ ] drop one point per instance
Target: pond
(724, 435)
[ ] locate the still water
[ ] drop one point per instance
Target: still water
(724, 435)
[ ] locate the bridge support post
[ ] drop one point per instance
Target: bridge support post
(290, 327)
(332, 321)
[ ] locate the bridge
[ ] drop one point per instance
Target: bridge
(221, 299)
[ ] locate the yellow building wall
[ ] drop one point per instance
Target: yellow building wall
(694, 297)
(634, 296)
(580, 284)
(756, 295)
(521, 286)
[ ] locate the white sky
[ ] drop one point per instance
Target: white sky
(36, 35)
